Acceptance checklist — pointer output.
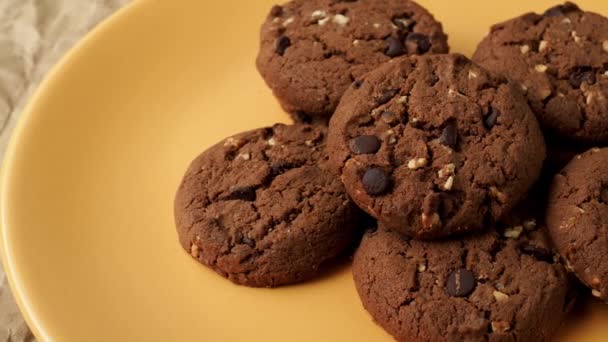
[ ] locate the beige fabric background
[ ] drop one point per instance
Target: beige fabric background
(34, 34)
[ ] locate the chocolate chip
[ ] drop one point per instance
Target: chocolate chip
(492, 118)
(267, 133)
(539, 253)
(449, 135)
(281, 167)
(388, 116)
(302, 117)
(417, 43)
(461, 283)
(276, 11)
(246, 193)
(248, 241)
(604, 195)
(560, 10)
(282, 44)
(365, 144)
(580, 75)
(375, 181)
(357, 84)
(387, 96)
(404, 23)
(394, 47)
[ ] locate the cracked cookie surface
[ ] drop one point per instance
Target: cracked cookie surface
(261, 208)
(481, 288)
(311, 51)
(577, 217)
(434, 145)
(560, 59)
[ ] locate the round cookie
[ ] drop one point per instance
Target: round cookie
(434, 145)
(577, 217)
(312, 50)
(560, 59)
(261, 208)
(481, 288)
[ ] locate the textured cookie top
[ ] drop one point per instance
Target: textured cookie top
(435, 145)
(483, 287)
(577, 217)
(560, 59)
(261, 209)
(312, 50)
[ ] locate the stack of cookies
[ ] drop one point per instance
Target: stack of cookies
(484, 181)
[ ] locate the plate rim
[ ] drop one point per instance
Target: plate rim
(26, 307)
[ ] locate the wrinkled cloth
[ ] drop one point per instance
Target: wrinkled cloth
(34, 34)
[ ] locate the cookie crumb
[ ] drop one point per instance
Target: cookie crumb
(513, 232)
(500, 326)
(499, 296)
(524, 49)
(417, 163)
(542, 46)
(540, 68)
(341, 19)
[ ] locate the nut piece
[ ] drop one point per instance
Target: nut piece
(244, 156)
(431, 220)
(500, 297)
(501, 197)
(417, 163)
(513, 232)
(323, 21)
(524, 49)
(472, 74)
(271, 142)
(596, 293)
(402, 99)
(605, 45)
(500, 326)
(542, 46)
(319, 14)
(447, 170)
(449, 183)
(540, 68)
(231, 142)
(194, 251)
(530, 224)
(288, 21)
(340, 19)
(421, 268)
(576, 37)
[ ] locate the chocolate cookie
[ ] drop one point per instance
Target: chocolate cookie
(577, 217)
(261, 209)
(435, 145)
(481, 288)
(313, 50)
(560, 59)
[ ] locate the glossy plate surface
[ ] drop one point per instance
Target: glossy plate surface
(88, 239)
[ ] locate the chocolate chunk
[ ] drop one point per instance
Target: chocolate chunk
(246, 193)
(248, 241)
(388, 117)
(492, 118)
(461, 283)
(560, 10)
(267, 133)
(365, 144)
(281, 167)
(276, 11)
(449, 135)
(394, 47)
(539, 253)
(417, 43)
(282, 44)
(580, 75)
(375, 181)
(387, 96)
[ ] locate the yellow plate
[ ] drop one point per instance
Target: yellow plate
(88, 239)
